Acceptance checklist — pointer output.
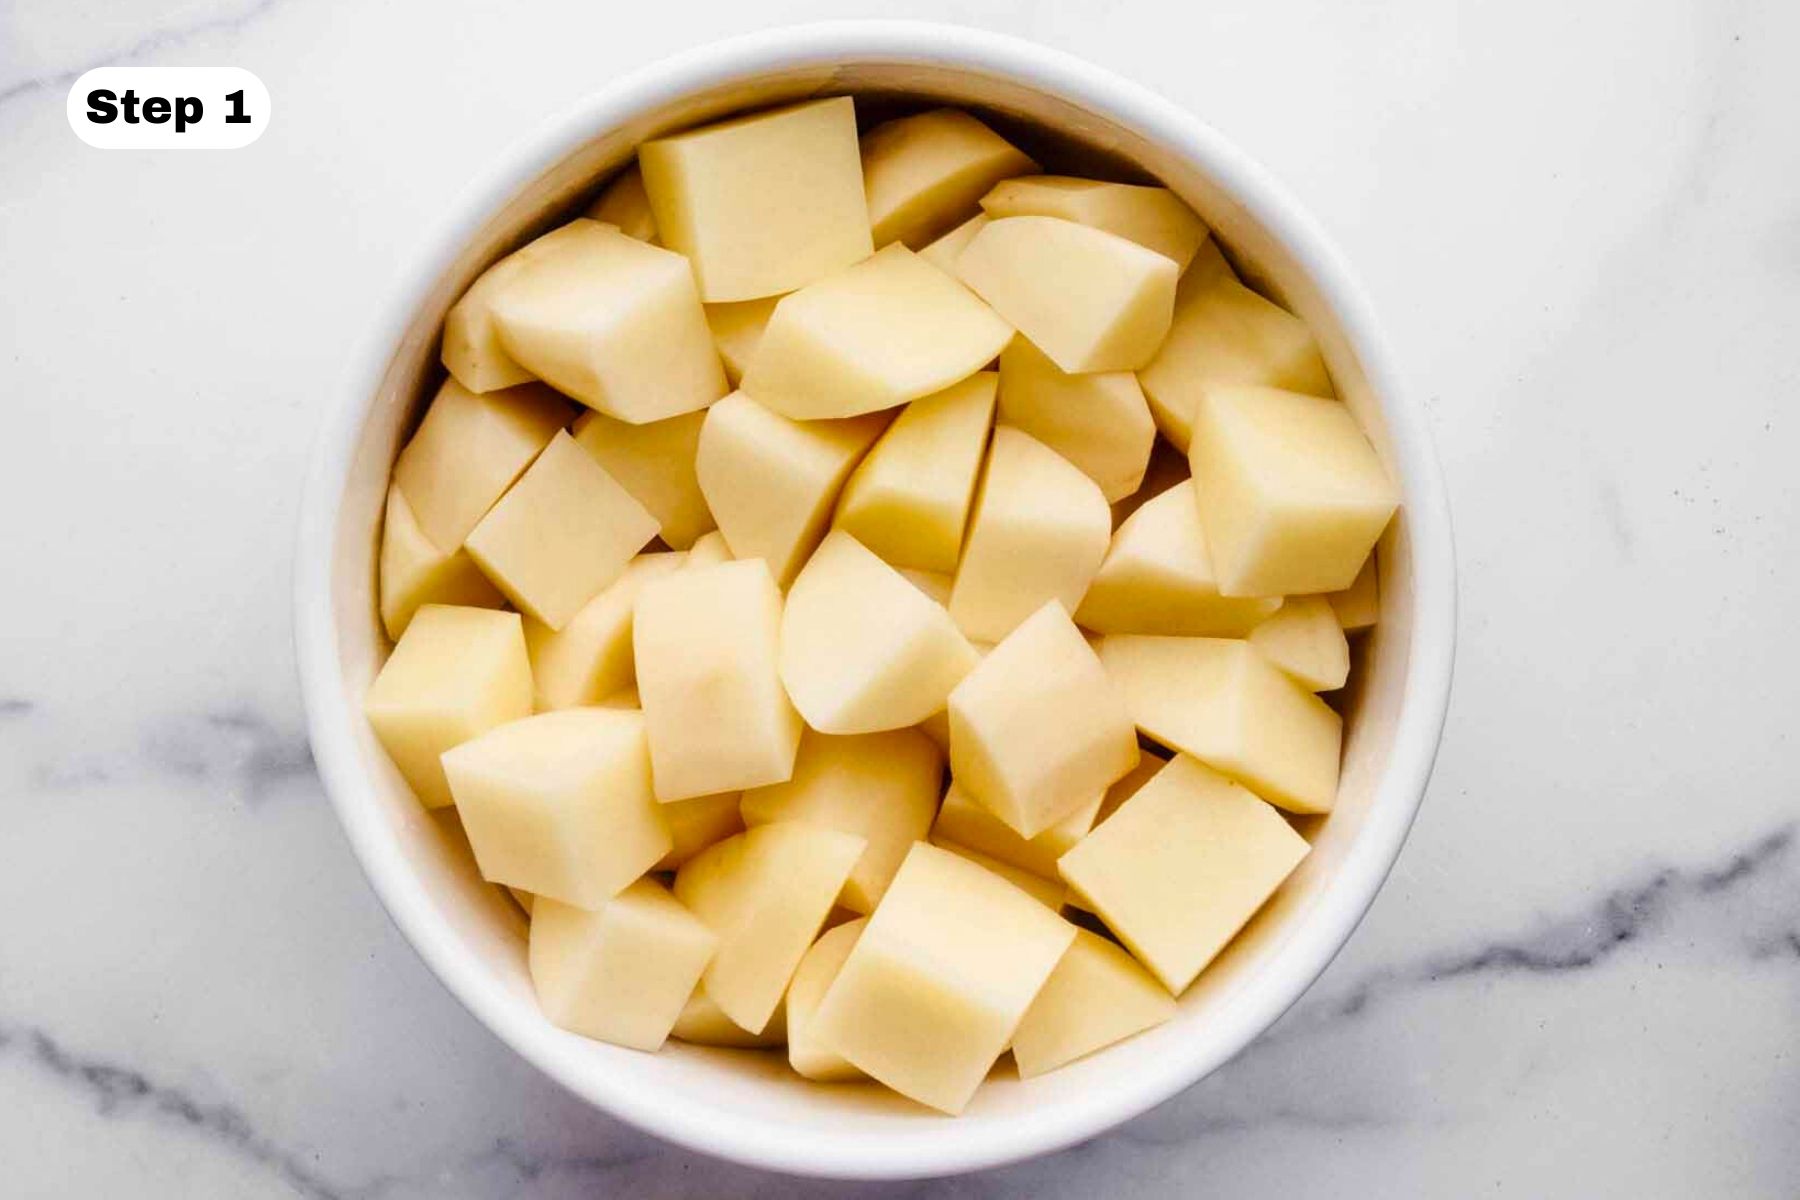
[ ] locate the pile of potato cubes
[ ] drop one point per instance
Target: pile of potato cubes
(691, 666)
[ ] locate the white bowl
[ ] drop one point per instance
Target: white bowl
(743, 1105)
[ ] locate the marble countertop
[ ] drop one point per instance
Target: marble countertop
(1583, 225)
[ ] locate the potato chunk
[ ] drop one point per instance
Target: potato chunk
(737, 330)
(882, 787)
(1158, 578)
(888, 330)
(706, 643)
(765, 203)
(703, 1023)
(1359, 605)
(1221, 701)
(455, 674)
(1182, 866)
(1047, 892)
(1097, 995)
(1039, 532)
(697, 823)
(623, 203)
(590, 658)
(814, 975)
(1037, 730)
(471, 349)
(1099, 421)
(1090, 300)
(655, 463)
(1225, 333)
(944, 252)
(1153, 217)
(620, 973)
(559, 804)
(937, 983)
(766, 893)
(415, 572)
(469, 449)
(966, 823)
(1291, 495)
(909, 500)
(926, 172)
(708, 550)
(1305, 640)
(564, 531)
(772, 482)
(611, 321)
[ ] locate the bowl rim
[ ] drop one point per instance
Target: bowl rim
(1315, 939)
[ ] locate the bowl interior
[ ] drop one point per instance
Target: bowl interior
(745, 1104)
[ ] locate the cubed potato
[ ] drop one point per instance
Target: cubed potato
(1037, 729)
(881, 787)
(709, 549)
(611, 321)
(765, 203)
(1047, 892)
(563, 532)
(1158, 578)
(620, 973)
(1097, 995)
(771, 482)
(1291, 494)
(1359, 605)
(1305, 640)
(415, 572)
(909, 500)
(964, 822)
(706, 643)
(697, 823)
(1224, 333)
(455, 674)
(1221, 701)
(623, 203)
(590, 660)
(1182, 866)
(1099, 421)
(815, 974)
(469, 449)
(1089, 299)
(559, 804)
(888, 330)
(944, 252)
(470, 349)
(1153, 217)
(766, 893)
(1209, 264)
(926, 172)
(737, 330)
(934, 584)
(1039, 532)
(862, 649)
(1168, 467)
(655, 463)
(1127, 785)
(937, 983)
(703, 1023)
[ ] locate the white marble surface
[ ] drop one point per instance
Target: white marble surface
(1583, 222)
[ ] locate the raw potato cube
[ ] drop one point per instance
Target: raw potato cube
(1039, 532)
(467, 452)
(1209, 264)
(888, 330)
(559, 804)
(1099, 422)
(1047, 892)
(1182, 866)
(762, 204)
(1158, 578)
(882, 787)
(766, 893)
(415, 572)
(1097, 995)
(935, 986)
(1153, 217)
(1088, 299)
(1305, 640)
(935, 584)
(1127, 785)
(1168, 467)
(698, 823)
(455, 674)
(590, 660)
(1220, 701)
(1225, 333)
(1291, 495)
(655, 463)
(471, 349)
(624, 204)
(815, 974)
(737, 330)
(1037, 729)
(1358, 605)
(612, 321)
(620, 973)
(926, 172)
(771, 482)
(909, 499)
(703, 1023)
(967, 824)
(944, 252)
(708, 550)
(706, 642)
(565, 530)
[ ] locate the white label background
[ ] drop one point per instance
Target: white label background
(210, 85)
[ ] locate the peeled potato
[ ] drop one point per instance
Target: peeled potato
(655, 463)
(811, 980)
(708, 549)
(625, 204)
(590, 658)
(737, 330)
(944, 252)
(924, 173)
(1047, 892)
(696, 823)
(1305, 640)
(415, 572)
(1099, 421)
(1358, 605)
(703, 1023)
(1153, 217)
(1097, 995)
(966, 823)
